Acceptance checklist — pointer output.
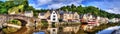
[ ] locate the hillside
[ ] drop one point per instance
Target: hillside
(89, 9)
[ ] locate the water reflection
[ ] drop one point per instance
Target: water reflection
(40, 32)
(50, 29)
(60, 29)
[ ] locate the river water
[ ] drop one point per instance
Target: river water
(61, 29)
(57, 29)
(109, 30)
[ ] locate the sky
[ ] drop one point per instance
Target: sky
(111, 6)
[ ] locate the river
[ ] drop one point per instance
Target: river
(63, 29)
(109, 30)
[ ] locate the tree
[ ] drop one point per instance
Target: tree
(89, 9)
(3, 9)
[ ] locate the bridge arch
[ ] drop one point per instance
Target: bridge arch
(23, 22)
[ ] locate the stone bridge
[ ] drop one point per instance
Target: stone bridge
(27, 21)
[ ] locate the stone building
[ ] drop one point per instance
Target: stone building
(28, 13)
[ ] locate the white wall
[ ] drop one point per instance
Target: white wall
(54, 16)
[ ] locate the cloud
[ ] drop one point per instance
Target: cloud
(41, 2)
(75, 3)
(111, 6)
(55, 6)
(48, 4)
(114, 10)
(58, 5)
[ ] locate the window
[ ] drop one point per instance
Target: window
(53, 18)
(53, 29)
(53, 15)
(76, 17)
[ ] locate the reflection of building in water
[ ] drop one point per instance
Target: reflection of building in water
(62, 29)
(74, 29)
(53, 31)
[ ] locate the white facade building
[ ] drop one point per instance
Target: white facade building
(114, 20)
(54, 17)
(53, 31)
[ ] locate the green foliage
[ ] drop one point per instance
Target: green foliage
(90, 9)
(3, 9)
(17, 9)
(5, 6)
(44, 23)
